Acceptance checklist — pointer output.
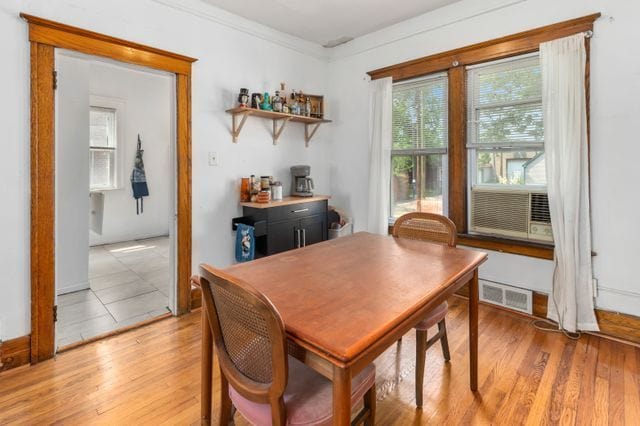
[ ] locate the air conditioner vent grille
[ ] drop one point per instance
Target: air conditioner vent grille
(515, 300)
(507, 296)
(540, 208)
(501, 210)
(490, 293)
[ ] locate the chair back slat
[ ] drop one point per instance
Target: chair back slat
(245, 335)
(249, 336)
(427, 227)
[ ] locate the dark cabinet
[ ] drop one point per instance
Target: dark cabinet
(289, 226)
(314, 229)
(281, 236)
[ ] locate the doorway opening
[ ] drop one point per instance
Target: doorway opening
(114, 253)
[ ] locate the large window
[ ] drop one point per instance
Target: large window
(102, 147)
(505, 128)
(419, 146)
(493, 183)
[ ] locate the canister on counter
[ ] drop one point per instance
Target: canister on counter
(276, 191)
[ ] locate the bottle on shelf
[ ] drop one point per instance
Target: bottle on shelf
(277, 102)
(307, 108)
(295, 106)
(301, 104)
(266, 102)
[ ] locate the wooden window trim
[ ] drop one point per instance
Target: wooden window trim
(453, 62)
(44, 37)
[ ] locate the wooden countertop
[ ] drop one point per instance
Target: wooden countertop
(286, 201)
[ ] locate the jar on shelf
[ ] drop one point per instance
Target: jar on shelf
(264, 183)
(245, 190)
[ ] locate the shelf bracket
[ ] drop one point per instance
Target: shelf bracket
(278, 131)
(235, 130)
(307, 135)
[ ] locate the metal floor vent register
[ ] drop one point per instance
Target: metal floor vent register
(507, 296)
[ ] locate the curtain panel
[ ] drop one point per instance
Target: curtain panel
(380, 98)
(563, 63)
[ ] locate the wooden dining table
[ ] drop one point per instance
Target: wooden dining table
(345, 301)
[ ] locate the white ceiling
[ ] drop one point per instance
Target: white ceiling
(325, 21)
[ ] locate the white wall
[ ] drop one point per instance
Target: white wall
(228, 59)
(148, 111)
(615, 89)
(72, 175)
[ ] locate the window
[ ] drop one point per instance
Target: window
(506, 150)
(505, 140)
(494, 184)
(419, 146)
(102, 147)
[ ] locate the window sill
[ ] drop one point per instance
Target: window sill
(523, 248)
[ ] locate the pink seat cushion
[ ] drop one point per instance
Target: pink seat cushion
(308, 397)
(434, 317)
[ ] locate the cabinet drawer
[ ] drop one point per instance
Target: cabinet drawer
(295, 211)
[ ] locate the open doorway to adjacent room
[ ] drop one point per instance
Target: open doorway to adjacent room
(115, 202)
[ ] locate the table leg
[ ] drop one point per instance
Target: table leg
(341, 396)
(207, 367)
(473, 331)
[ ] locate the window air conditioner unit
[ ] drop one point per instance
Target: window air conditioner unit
(522, 214)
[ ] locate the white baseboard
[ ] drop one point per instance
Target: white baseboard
(72, 288)
(623, 301)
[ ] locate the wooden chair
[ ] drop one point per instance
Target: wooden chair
(438, 229)
(257, 376)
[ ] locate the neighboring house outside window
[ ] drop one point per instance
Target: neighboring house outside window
(102, 146)
(419, 146)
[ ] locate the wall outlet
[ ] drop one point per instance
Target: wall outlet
(213, 158)
(595, 287)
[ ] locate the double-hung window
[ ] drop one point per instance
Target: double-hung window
(505, 145)
(419, 146)
(102, 148)
(505, 138)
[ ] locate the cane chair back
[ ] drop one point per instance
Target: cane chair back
(249, 338)
(427, 227)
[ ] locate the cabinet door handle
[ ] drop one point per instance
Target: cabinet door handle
(304, 237)
(299, 211)
(298, 239)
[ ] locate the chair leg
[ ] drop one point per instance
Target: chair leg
(226, 406)
(370, 405)
(442, 329)
(421, 353)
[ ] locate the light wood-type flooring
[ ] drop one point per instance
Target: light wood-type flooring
(152, 376)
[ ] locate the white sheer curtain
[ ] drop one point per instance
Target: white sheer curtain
(379, 154)
(565, 139)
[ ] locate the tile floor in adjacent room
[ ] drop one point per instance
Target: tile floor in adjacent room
(129, 283)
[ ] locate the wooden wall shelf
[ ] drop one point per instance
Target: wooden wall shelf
(239, 117)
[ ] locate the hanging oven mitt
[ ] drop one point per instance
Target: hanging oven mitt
(139, 179)
(245, 247)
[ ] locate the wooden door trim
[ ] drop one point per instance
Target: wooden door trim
(44, 31)
(45, 36)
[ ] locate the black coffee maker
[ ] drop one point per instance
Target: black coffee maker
(301, 183)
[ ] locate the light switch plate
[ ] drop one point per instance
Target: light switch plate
(213, 158)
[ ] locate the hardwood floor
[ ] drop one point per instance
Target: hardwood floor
(152, 376)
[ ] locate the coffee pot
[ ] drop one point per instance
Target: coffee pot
(302, 184)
